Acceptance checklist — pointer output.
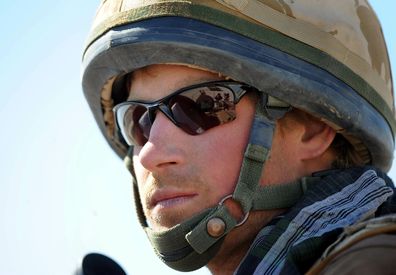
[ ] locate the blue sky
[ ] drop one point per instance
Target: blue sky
(63, 192)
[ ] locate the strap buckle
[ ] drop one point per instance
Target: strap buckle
(246, 216)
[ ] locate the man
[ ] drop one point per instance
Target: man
(292, 170)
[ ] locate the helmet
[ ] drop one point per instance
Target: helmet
(326, 58)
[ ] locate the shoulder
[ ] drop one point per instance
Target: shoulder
(368, 247)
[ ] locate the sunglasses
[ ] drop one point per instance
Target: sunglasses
(194, 109)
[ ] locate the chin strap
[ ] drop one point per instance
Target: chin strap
(192, 243)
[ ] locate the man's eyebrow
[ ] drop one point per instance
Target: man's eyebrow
(186, 84)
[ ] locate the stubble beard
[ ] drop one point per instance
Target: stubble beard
(164, 221)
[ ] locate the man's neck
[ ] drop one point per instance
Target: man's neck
(226, 263)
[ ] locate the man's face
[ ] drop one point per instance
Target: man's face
(178, 174)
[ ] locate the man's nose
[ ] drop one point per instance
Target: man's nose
(164, 146)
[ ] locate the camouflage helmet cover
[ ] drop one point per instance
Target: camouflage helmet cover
(343, 39)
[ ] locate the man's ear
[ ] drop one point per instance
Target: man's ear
(316, 138)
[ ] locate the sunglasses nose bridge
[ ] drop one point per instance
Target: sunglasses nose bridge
(167, 112)
(163, 108)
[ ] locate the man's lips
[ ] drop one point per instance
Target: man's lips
(169, 198)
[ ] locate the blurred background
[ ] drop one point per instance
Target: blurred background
(63, 192)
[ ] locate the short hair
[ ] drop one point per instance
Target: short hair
(347, 155)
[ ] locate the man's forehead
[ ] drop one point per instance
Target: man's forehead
(156, 81)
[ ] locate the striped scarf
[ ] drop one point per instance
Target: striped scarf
(292, 243)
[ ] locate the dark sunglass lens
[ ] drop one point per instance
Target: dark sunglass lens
(202, 108)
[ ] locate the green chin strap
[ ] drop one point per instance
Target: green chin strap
(193, 243)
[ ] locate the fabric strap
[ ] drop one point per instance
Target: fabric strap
(281, 195)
